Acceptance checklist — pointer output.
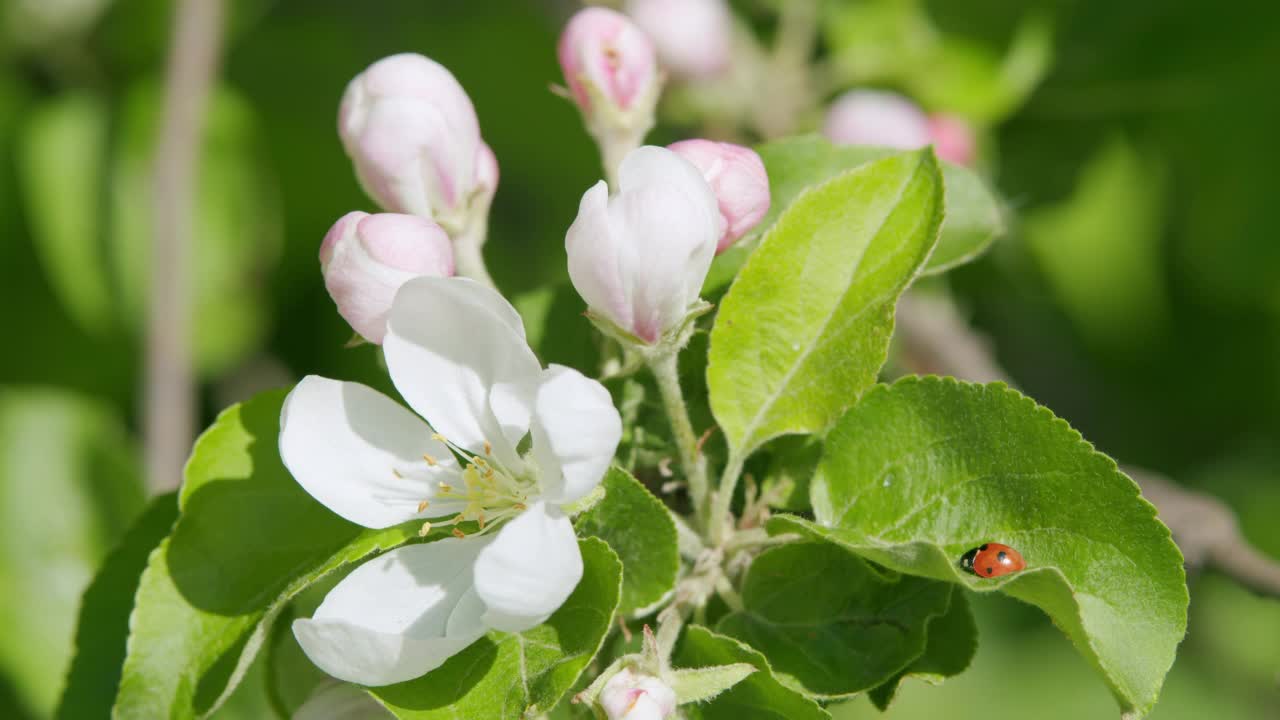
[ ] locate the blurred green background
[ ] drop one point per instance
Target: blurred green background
(1138, 294)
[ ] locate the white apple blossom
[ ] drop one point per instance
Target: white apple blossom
(456, 351)
(639, 258)
(693, 38)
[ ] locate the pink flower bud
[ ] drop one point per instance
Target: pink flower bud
(605, 57)
(953, 138)
(412, 134)
(738, 178)
(633, 696)
(693, 37)
(366, 258)
(874, 117)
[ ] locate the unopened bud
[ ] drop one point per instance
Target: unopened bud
(738, 178)
(640, 256)
(412, 134)
(693, 37)
(611, 70)
(366, 258)
(875, 117)
(634, 696)
(953, 138)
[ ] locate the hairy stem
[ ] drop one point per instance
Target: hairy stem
(468, 255)
(720, 519)
(666, 372)
(170, 388)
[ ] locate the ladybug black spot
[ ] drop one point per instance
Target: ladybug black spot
(983, 548)
(990, 570)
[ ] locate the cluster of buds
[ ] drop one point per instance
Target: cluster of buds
(885, 119)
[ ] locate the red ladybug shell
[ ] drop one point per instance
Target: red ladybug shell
(993, 560)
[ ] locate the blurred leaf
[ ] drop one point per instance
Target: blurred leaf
(248, 539)
(640, 530)
(952, 642)
(103, 625)
(61, 161)
(1101, 248)
(833, 638)
(922, 471)
(973, 219)
(760, 695)
(896, 42)
(69, 487)
(516, 675)
(805, 328)
(235, 229)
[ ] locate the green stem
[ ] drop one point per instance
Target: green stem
(694, 465)
(468, 258)
(719, 520)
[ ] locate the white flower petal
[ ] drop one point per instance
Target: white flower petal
(361, 454)
(393, 618)
(596, 260)
(529, 570)
(576, 430)
(449, 343)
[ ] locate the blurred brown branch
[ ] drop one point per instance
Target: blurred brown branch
(170, 392)
(936, 339)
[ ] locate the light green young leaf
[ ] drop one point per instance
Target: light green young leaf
(248, 539)
(973, 215)
(922, 471)
(516, 675)
(703, 684)
(103, 625)
(759, 695)
(952, 642)
(639, 528)
(61, 161)
(805, 328)
(69, 487)
(833, 638)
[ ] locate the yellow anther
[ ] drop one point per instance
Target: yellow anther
(430, 460)
(480, 520)
(423, 505)
(488, 448)
(459, 534)
(426, 528)
(520, 506)
(396, 473)
(446, 487)
(438, 437)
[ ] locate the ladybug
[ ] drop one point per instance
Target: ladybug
(992, 560)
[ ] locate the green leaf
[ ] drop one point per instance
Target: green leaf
(833, 638)
(639, 528)
(703, 684)
(61, 160)
(922, 471)
(805, 328)
(760, 696)
(103, 626)
(515, 675)
(248, 539)
(69, 488)
(973, 216)
(952, 642)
